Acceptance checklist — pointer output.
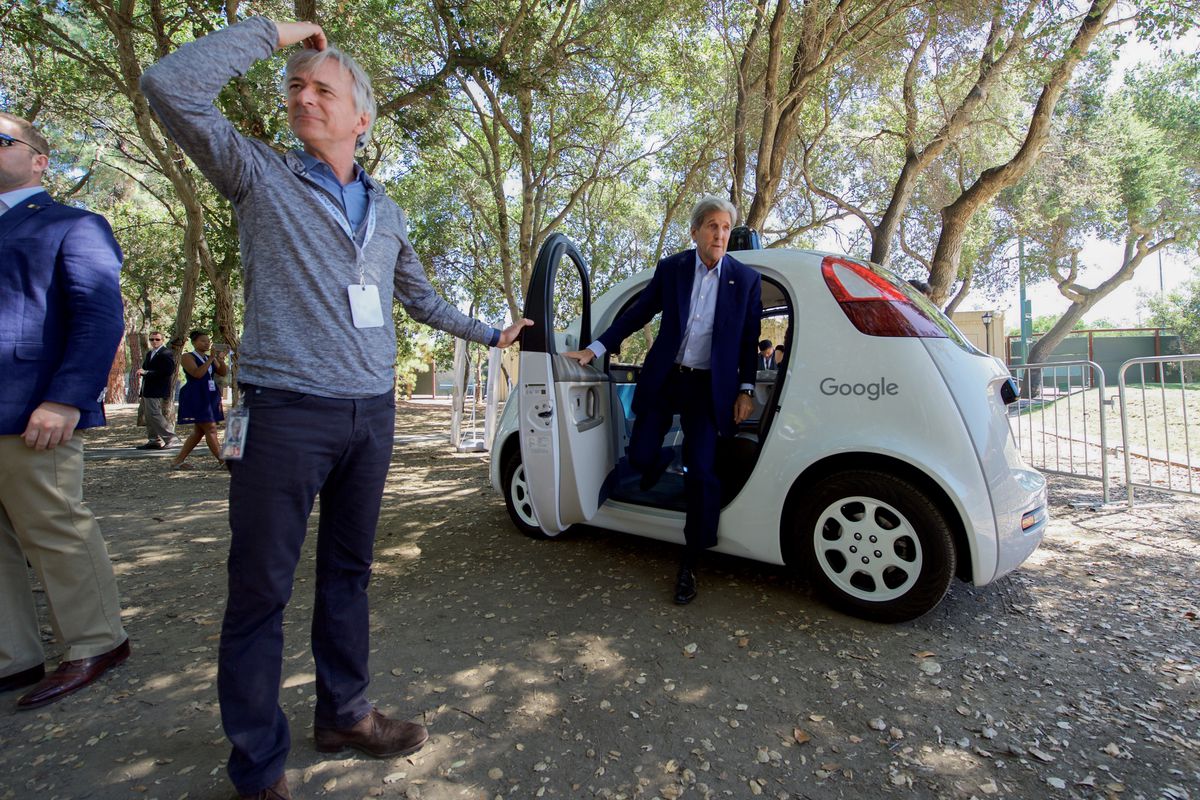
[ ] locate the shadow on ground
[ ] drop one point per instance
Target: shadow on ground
(561, 668)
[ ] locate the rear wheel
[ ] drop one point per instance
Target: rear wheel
(516, 497)
(875, 545)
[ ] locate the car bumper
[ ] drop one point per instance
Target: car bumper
(1020, 531)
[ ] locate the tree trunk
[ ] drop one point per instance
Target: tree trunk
(961, 295)
(827, 33)
(740, 111)
(115, 393)
(916, 162)
(183, 322)
(1137, 248)
(171, 163)
(133, 343)
(956, 216)
(764, 182)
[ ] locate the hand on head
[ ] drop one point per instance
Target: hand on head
(309, 33)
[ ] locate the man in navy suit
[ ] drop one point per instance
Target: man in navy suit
(701, 367)
(157, 373)
(766, 355)
(61, 320)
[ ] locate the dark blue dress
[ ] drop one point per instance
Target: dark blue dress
(199, 399)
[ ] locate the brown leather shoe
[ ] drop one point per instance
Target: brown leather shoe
(276, 791)
(72, 676)
(375, 735)
(26, 677)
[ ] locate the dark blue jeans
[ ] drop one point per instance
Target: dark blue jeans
(690, 396)
(298, 447)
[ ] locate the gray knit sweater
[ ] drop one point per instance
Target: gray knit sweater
(296, 259)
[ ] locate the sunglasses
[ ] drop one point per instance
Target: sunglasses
(9, 141)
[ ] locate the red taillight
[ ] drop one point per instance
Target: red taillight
(873, 304)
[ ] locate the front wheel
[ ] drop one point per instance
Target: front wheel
(516, 497)
(875, 545)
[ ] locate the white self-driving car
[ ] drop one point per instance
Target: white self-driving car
(879, 459)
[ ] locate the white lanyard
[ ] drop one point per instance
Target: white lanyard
(344, 223)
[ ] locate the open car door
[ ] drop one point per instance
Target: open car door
(564, 409)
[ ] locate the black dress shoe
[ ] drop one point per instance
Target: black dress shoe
(685, 587)
(26, 677)
(151, 446)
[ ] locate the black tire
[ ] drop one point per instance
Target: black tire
(875, 546)
(516, 497)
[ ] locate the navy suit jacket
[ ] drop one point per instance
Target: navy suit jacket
(61, 316)
(159, 370)
(734, 337)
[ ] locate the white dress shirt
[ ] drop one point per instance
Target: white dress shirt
(13, 199)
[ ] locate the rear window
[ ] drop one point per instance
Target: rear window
(926, 307)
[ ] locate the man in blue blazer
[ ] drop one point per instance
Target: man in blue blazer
(701, 367)
(61, 320)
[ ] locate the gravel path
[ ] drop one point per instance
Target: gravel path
(561, 669)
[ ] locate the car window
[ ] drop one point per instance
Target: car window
(776, 321)
(633, 350)
(567, 306)
(931, 311)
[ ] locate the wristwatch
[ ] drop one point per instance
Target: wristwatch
(747, 392)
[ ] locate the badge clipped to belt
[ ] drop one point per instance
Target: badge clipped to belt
(237, 424)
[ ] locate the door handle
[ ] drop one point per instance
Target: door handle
(588, 424)
(546, 414)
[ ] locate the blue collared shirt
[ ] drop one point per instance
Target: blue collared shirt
(351, 198)
(16, 196)
(696, 349)
(697, 333)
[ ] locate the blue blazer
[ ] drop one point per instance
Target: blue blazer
(61, 316)
(734, 338)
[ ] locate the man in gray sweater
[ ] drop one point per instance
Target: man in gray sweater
(324, 251)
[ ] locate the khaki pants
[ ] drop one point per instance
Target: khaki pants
(43, 519)
(158, 428)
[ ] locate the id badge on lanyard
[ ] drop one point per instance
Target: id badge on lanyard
(365, 309)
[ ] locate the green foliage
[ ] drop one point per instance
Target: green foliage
(503, 121)
(1179, 312)
(1045, 322)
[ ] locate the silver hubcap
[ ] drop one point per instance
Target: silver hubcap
(868, 549)
(519, 492)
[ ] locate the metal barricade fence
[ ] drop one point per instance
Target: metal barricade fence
(1058, 420)
(1163, 459)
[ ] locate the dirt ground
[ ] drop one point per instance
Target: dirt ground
(562, 669)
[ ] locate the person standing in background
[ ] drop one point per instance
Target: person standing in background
(766, 355)
(200, 398)
(61, 320)
(157, 373)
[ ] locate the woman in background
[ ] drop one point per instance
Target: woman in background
(199, 399)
